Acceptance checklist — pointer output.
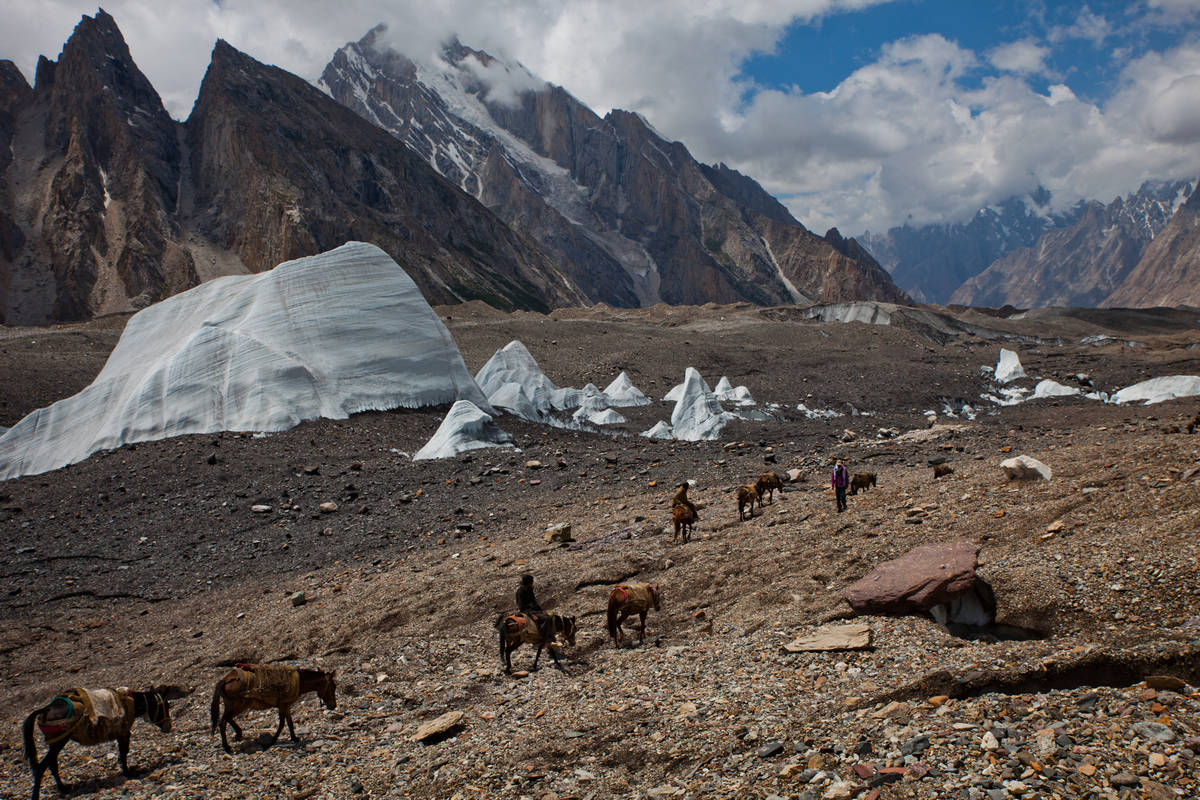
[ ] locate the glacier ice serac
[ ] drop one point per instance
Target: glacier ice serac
(1158, 390)
(465, 428)
(513, 378)
(621, 393)
(1008, 368)
(324, 336)
(697, 415)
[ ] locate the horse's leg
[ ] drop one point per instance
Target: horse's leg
(51, 761)
(538, 655)
(227, 719)
(291, 725)
(237, 730)
(642, 628)
(557, 663)
(123, 755)
(279, 727)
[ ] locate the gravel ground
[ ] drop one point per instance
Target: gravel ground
(146, 565)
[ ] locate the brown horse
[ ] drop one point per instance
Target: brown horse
(91, 717)
(746, 496)
(257, 687)
(627, 599)
(767, 484)
(862, 480)
(518, 629)
(685, 517)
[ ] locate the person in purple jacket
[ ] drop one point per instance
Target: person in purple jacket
(839, 481)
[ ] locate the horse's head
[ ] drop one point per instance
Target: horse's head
(327, 691)
(157, 708)
(568, 629)
(655, 596)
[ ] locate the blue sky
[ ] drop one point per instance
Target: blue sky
(817, 55)
(859, 114)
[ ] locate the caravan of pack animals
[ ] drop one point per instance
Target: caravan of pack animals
(671, 578)
(290, 432)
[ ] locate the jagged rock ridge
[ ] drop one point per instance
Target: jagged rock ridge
(1081, 264)
(107, 204)
(632, 217)
(931, 262)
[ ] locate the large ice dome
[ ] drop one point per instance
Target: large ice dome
(324, 336)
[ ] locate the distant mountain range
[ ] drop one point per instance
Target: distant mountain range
(1018, 253)
(483, 182)
(107, 204)
(631, 216)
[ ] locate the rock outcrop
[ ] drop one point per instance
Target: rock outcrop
(92, 184)
(632, 217)
(1168, 273)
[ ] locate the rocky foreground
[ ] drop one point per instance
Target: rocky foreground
(147, 565)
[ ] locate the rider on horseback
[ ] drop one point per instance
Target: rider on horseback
(528, 605)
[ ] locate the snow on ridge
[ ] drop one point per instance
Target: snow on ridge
(464, 428)
(324, 336)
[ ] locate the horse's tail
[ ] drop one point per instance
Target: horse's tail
(215, 711)
(27, 731)
(613, 607)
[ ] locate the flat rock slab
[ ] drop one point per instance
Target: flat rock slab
(435, 729)
(853, 636)
(917, 581)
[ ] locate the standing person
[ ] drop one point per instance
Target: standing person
(528, 605)
(839, 481)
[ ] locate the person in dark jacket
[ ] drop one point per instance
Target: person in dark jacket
(528, 605)
(839, 481)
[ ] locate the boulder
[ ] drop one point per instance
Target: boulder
(922, 578)
(795, 474)
(852, 636)
(1022, 468)
(435, 729)
(559, 532)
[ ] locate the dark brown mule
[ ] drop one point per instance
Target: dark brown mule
(91, 717)
(257, 687)
(684, 517)
(628, 599)
(767, 484)
(517, 629)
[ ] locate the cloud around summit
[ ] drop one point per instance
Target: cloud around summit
(928, 126)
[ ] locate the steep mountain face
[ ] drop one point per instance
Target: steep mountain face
(14, 95)
(930, 262)
(631, 217)
(1168, 273)
(280, 170)
(91, 185)
(106, 204)
(1082, 264)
